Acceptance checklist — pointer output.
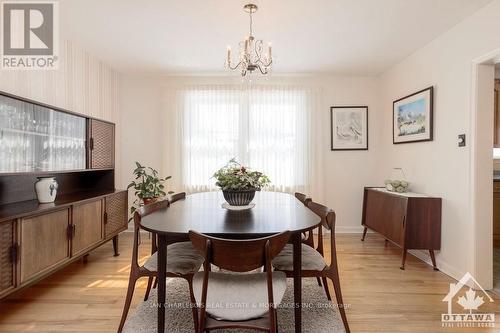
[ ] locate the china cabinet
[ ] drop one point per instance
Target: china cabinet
(39, 140)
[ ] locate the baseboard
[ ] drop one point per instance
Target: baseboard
(443, 266)
(349, 229)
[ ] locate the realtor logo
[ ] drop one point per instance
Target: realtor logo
(30, 35)
(469, 300)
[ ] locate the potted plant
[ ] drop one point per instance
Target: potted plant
(238, 183)
(147, 185)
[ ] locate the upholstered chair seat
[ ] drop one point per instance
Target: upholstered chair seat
(182, 258)
(238, 297)
(312, 260)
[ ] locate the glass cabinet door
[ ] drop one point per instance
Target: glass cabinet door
(35, 138)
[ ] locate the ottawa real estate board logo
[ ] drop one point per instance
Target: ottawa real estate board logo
(470, 300)
(30, 35)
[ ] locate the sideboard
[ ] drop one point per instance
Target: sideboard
(410, 220)
(38, 140)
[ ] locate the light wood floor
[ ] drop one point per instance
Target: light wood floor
(496, 268)
(89, 297)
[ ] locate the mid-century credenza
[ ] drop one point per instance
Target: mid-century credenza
(410, 220)
(38, 140)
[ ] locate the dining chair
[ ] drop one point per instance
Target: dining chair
(172, 197)
(251, 298)
(182, 262)
(313, 262)
(308, 237)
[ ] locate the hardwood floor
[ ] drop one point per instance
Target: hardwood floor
(496, 268)
(89, 297)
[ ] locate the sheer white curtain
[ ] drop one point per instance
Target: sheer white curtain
(269, 128)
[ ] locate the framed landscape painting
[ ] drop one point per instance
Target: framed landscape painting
(413, 117)
(349, 127)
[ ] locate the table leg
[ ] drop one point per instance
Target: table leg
(162, 268)
(297, 280)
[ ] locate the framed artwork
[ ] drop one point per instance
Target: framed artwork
(413, 117)
(349, 127)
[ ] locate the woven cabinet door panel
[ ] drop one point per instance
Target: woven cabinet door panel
(116, 213)
(102, 154)
(6, 264)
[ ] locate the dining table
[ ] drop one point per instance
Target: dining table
(274, 212)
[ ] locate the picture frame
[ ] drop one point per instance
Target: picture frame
(349, 128)
(413, 117)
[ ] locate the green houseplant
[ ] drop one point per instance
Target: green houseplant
(238, 183)
(147, 185)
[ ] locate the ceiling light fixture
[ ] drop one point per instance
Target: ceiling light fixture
(251, 55)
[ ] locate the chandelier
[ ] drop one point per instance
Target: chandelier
(251, 51)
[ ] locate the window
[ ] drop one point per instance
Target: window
(264, 128)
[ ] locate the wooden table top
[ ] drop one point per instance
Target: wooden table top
(273, 212)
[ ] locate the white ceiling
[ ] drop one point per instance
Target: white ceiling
(162, 37)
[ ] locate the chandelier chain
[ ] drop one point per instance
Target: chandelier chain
(251, 24)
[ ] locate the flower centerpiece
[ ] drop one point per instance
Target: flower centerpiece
(238, 183)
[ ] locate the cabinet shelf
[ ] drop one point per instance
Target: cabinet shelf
(48, 173)
(46, 135)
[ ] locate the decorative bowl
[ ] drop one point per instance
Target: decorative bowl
(239, 198)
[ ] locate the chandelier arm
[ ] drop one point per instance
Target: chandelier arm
(235, 67)
(260, 69)
(259, 60)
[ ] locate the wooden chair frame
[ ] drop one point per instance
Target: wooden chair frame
(331, 271)
(137, 271)
(309, 240)
(238, 256)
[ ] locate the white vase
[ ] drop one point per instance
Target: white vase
(46, 189)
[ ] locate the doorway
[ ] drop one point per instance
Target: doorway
(482, 167)
(496, 182)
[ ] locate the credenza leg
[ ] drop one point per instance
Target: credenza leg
(433, 258)
(404, 259)
(364, 234)
(115, 246)
(85, 258)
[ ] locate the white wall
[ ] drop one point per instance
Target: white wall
(441, 168)
(145, 138)
(142, 131)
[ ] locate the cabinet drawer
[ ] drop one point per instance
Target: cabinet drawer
(7, 241)
(44, 242)
(115, 219)
(496, 186)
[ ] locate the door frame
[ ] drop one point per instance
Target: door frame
(481, 167)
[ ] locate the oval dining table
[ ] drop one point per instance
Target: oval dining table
(273, 213)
